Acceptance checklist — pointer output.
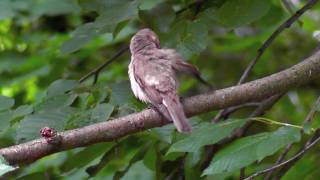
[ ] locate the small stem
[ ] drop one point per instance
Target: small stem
(271, 122)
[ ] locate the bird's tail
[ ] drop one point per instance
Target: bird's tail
(176, 113)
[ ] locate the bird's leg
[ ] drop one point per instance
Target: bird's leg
(151, 106)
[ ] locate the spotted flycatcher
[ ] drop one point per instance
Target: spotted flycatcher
(152, 73)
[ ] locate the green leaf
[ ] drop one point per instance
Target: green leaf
(101, 112)
(81, 36)
(4, 167)
(30, 125)
(118, 158)
(247, 150)
(234, 13)
(114, 11)
(205, 134)
(147, 4)
(119, 27)
(5, 118)
(80, 118)
(61, 86)
(85, 156)
(307, 128)
(121, 93)
(190, 170)
(56, 7)
(137, 157)
(55, 102)
(139, 171)
(32, 176)
(6, 9)
(6, 102)
(22, 111)
(164, 133)
(111, 12)
(189, 38)
(150, 159)
(158, 18)
(317, 106)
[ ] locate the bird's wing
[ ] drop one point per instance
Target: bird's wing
(180, 65)
(157, 79)
(177, 61)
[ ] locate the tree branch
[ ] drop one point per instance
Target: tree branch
(291, 9)
(260, 89)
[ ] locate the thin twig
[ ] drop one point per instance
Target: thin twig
(279, 160)
(268, 42)
(296, 157)
(259, 111)
(307, 120)
(313, 112)
(98, 69)
(291, 9)
(231, 110)
(285, 168)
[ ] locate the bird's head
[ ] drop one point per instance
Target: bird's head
(144, 39)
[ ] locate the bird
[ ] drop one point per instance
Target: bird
(152, 74)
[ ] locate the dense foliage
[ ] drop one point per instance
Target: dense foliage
(46, 46)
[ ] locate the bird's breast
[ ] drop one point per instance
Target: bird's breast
(135, 87)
